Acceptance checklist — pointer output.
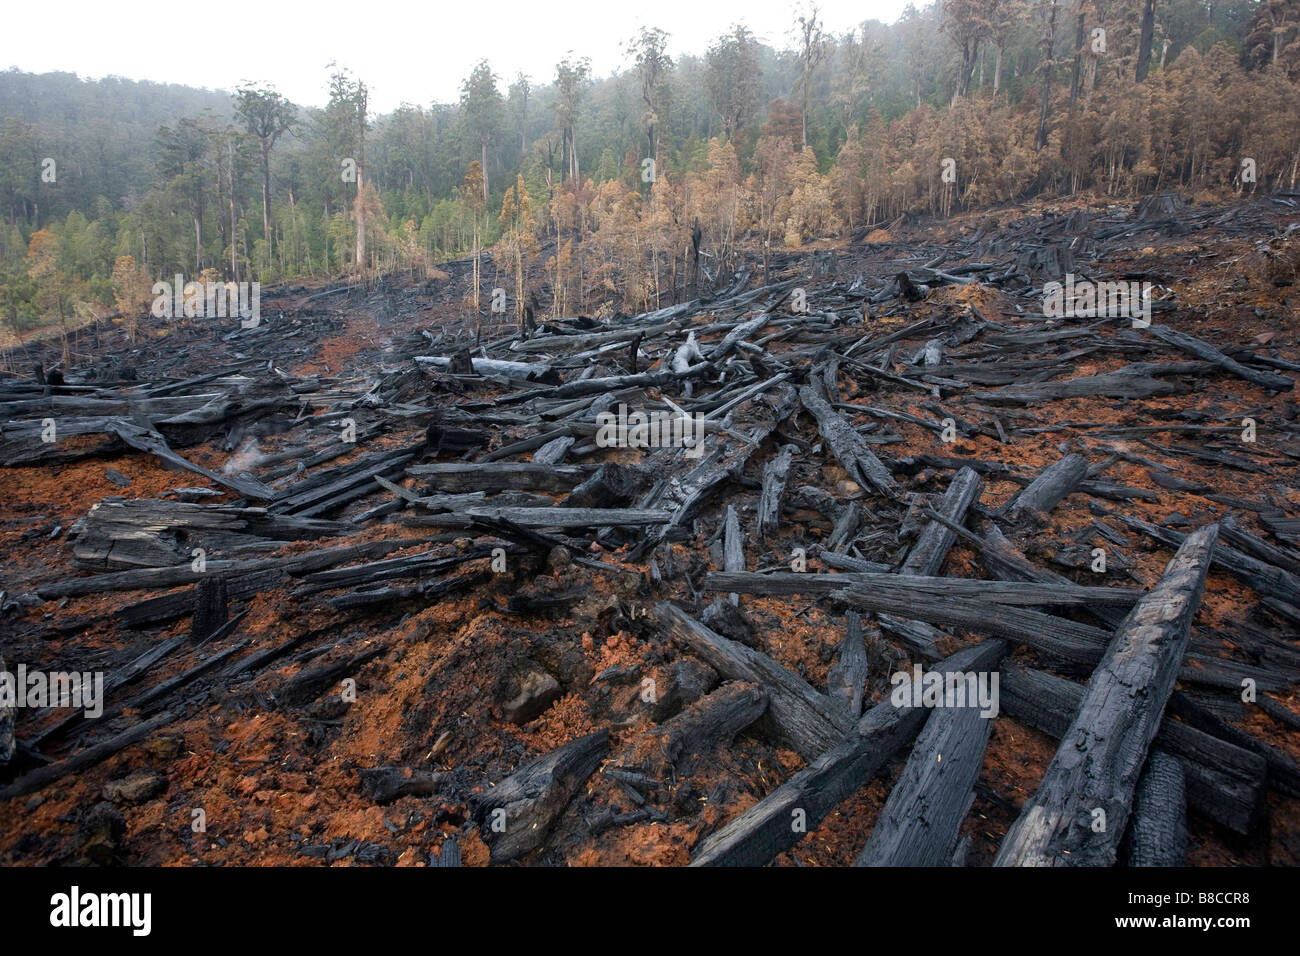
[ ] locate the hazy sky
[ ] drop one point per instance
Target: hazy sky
(414, 52)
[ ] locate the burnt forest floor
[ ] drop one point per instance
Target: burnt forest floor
(464, 672)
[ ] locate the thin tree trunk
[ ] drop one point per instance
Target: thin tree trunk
(359, 207)
(358, 210)
(198, 226)
(234, 255)
(1049, 41)
(266, 194)
(1079, 34)
(1144, 47)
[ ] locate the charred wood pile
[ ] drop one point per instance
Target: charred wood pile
(878, 558)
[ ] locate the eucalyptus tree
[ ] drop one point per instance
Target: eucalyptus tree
(266, 116)
(481, 109)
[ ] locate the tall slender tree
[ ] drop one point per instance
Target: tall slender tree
(184, 158)
(347, 121)
(571, 79)
(1144, 41)
(517, 242)
(266, 116)
(731, 77)
(967, 23)
(814, 45)
(1048, 8)
(480, 104)
(471, 197)
(649, 50)
(520, 90)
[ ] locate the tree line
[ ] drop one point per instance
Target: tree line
(597, 184)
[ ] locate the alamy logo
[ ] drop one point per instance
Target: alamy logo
(951, 689)
(1085, 299)
(208, 300)
(74, 908)
(80, 691)
(654, 430)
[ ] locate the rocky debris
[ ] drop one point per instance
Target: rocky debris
(99, 835)
(537, 691)
(139, 787)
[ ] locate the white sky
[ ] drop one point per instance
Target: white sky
(416, 51)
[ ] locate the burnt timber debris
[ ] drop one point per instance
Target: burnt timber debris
(405, 584)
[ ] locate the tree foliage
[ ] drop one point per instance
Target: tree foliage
(764, 147)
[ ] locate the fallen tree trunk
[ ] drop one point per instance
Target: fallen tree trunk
(783, 817)
(154, 443)
(672, 749)
(733, 548)
(1052, 484)
(853, 453)
(775, 473)
(1157, 834)
(933, 544)
(1264, 578)
(1102, 754)
(1225, 782)
(610, 486)
(517, 815)
(545, 517)
(386, 784)
(921, 819)
(1130, 382)
(307, 685)
(454, 477)
(1002, 560)
(917, 588)
(44, 776)
(1283, 772)
(1052, 635)
(518, 371)
(801, 718)
(271, 568)
(848, 675)
(596, 386)
(1204, 350)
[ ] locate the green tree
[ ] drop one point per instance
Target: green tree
(814, 45)
(266, 116)
(731, 77)
(480, 104)
(347, 117)
(184, 157)
(474, 202)
(53, 285)
(648, 50)
(520, 91)
(571, 80)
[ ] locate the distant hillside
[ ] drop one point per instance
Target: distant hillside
(959, 105)
(101, 134)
